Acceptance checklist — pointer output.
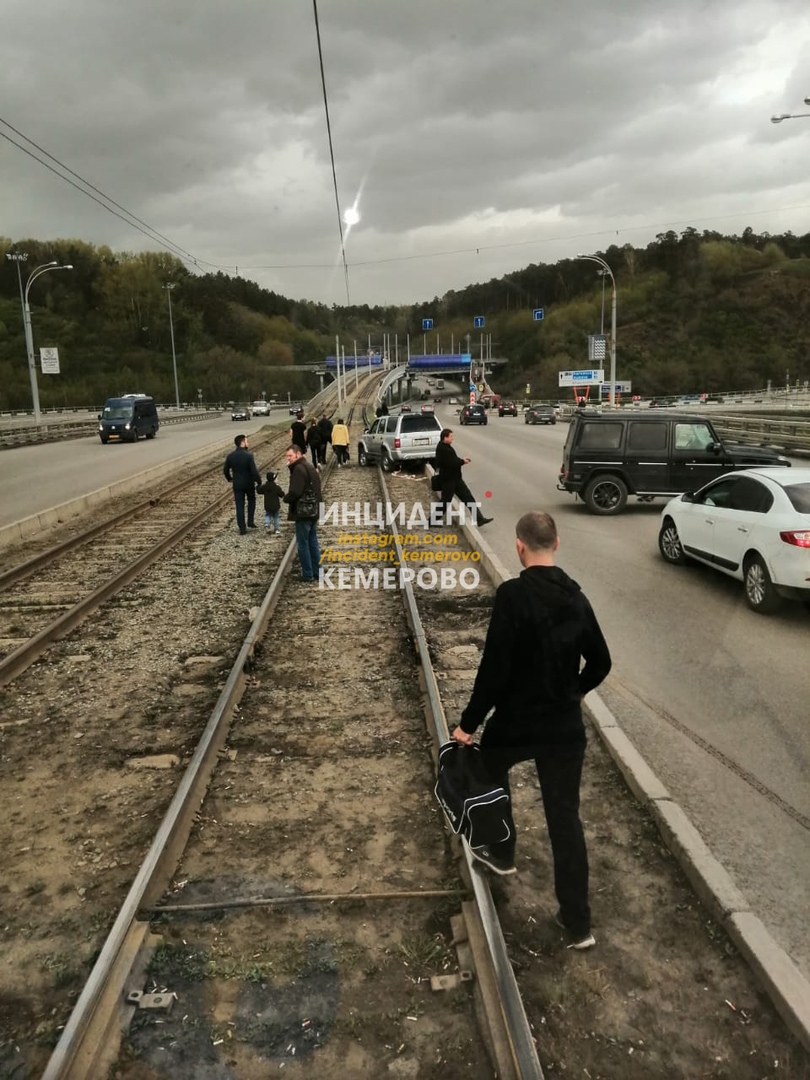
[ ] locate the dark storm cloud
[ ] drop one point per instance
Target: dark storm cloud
(456, 125)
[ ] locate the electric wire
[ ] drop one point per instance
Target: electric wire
(185, 256)
(331, 151)
(107, 198)
(131, 219)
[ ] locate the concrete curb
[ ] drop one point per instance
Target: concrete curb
(787, 987)
(783, 982)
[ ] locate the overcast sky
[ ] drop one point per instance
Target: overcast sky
(473, 137)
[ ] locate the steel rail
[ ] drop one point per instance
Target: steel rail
(36, 562)
(77, 1054)
(75, 1046)
(516, 1023)
(18, 661)
(21, 658)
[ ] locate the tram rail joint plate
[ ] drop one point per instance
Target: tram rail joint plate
(156, 1002)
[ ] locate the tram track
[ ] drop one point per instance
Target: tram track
(341, 748)
(47, 595)
(304, 815)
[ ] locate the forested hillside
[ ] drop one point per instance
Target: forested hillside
(696, 313)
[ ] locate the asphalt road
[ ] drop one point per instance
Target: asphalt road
(715, 697)
(36, 478)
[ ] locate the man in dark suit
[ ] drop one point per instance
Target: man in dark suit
(240, 470)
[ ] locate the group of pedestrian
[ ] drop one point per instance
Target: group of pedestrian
(303, 498)
(544, 651)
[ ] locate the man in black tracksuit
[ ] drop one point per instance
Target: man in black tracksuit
(240, 470)
(541, 629)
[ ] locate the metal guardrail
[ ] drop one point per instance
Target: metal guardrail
(56, 431)
(788, 433)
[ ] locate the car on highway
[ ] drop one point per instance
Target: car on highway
(507, 408)
(260, 408)
(540, 414)
(405, 408)
(394, 440)
(240, 412)
(452, 401)
(753, 525)
(473, 414)
(608, 457)
(126, 418)
(427, 409)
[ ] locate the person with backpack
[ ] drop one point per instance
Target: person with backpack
(304, 499)
(531, 673)
(272, 504)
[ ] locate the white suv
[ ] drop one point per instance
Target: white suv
(260, 408)
(390, 440)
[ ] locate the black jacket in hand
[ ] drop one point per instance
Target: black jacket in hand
(542, 628)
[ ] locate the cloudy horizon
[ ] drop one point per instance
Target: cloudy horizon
(471, 139)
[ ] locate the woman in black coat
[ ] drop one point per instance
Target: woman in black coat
(449, 465)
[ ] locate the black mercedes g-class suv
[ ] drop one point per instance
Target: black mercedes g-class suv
(607, 458)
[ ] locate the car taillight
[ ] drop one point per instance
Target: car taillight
(799, 538)
(397, 443)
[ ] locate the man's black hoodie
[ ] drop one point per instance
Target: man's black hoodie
(542, 627)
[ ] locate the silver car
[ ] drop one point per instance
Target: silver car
(391, 440)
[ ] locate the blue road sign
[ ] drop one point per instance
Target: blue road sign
(427, 324)
(538, 314)
(478, 322)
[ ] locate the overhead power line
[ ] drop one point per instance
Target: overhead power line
(130, 219)
(156, 236)
(331, 152)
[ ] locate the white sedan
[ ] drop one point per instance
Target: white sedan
(752, 524)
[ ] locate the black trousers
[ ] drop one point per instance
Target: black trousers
(465, 496)
(559, 770)
(240, 497)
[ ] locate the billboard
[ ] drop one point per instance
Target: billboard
(592, 377)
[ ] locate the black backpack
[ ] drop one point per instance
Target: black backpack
(475, 805)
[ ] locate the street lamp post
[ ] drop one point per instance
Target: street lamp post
(29, 335)
(168, 287)
(606, 269)
(791, 116)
